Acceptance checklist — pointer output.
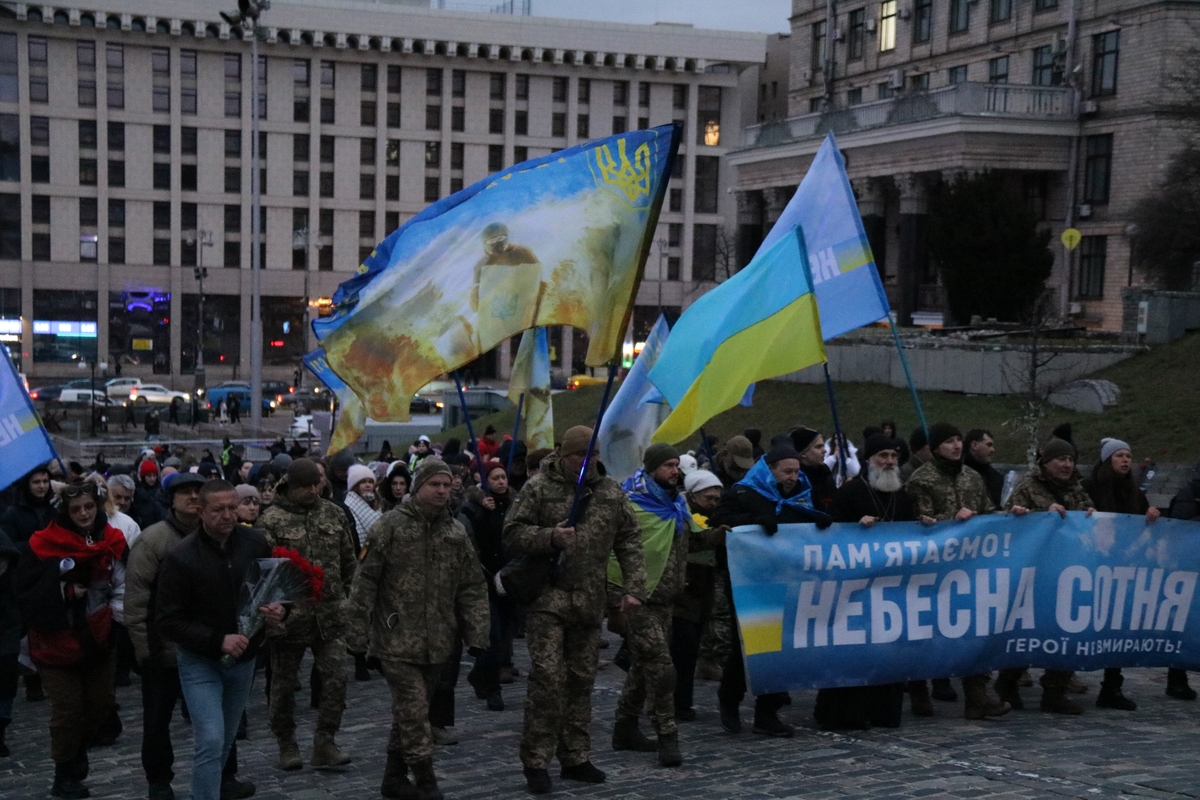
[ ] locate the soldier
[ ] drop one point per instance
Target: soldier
(317, 529)
(942, 489)
(668, 534)
(563, 624)
(1052, 485)
(418, 585)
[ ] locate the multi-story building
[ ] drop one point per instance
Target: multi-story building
(125, 161)
(1068, 98)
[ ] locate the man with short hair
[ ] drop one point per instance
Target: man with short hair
(979, 448)
(318, 530)
(200, 584)
(563, 623)
(811, 446)
(419, 588)
(121, 489)
(943, 490)
(773, 492)
(734, 460)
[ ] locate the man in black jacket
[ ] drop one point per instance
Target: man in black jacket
(979, 448)
(30, 513)
(811, 447)
(197, 609)
(774, 492)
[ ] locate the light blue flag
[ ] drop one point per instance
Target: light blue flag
(845, 280)
(24, 443)
(635, 412)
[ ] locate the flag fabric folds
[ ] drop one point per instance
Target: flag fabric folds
(845, 280)
(24, 443)
(759, 324)
(635, 411)
(356, 418)
(531, 378)
(560, 240)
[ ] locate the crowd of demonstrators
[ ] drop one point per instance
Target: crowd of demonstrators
(139, 570)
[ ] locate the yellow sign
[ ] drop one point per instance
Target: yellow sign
(1071, 238)
(143, 344)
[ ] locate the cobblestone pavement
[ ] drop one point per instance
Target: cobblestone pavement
(1149, 753)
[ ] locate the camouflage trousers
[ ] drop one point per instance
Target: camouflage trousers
(558, 703)
(651, 678)
(717, 638)
(412, 687)
(330, 657)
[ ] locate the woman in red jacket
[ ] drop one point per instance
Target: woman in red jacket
(65, 582)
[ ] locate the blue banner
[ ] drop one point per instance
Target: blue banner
(855, 606)
(24, 443)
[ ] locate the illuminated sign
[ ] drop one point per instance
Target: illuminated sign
(10, 326)
(143, 344)
(74, 330)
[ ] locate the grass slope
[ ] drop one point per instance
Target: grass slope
(1158, 412)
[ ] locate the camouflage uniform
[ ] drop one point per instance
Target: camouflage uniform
(563, 624)
(321, 534)
(419, 587)
(940, 488)
(718, 628)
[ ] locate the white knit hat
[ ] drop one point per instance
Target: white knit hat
(357, 474)
(687, 464)
(699, 480)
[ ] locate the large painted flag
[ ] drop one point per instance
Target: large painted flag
(759, 324)
(24, 443)
(531, 378)
(560, 240)
(342, 434)
(845, 280)
(635, 412)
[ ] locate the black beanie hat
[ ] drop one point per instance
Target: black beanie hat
(876, 444)
(1056, 448)
(802, 438)
(778, 454)
(940, 432)
(658, 454)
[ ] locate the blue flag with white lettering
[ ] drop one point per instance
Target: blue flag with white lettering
(24, 443)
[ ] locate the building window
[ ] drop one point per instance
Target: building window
(679, 94)
(1044, 5)
(458, 83)
(325, 189)
(1105, 48)
(327, 75)
(160, 64)
(814, 104)
(1093, 252)
(327, 111)
(85, 60)
(433, 118)
(704, 253)
(162, 139)
(521, 123)
(188, 141)
(73, 338)
(620, 124)
(884, 91)
(817, 61)
(89, 212)
(233, 144)
(522, 87)
(456, 155)
(233, 179)
(620, 93)
(116, 173)
(1097, 170)
(116, 137)
(497, 85)
(39, 169)
(559, 90)
(854, 96)
(433, 155)
(87, 134)
(922, 21)
(432, 189)
(233, 254)
(495, 157)
(496, 120)
(582, 126)
(366, 186)
(558, 124)
(458, 118)
(115, 67)
(325, 222)
(675, 201)
(10, 147)
(1047, 70)
(706, 189)
(300, 183)
(187, 81)
(40, 209)
(367, 113)
(162, 176)
(675, 234)
(1000, 11)
(187, 177)
(10, 226)
(39, 79)
(998, 70)
(393, 79)
(366, 152)
(520, 155)
(326, 150)
(9, 92)
(887, 26)
(643, 123)
(956, 75)
(391, 186)
(233, 219)
(369, 78)
(856, 38)
(393, 115)
(433, 82)
(162, 253)
(708, 120)
(391, 152)
(87, 172)
(116, 249)
(960, 15)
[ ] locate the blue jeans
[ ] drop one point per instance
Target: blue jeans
(216, 696)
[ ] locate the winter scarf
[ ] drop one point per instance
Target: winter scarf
(762, 480)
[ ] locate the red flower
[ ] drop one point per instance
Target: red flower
(314, 576)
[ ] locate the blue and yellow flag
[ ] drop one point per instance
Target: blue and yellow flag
(342, 434)
(531, 378)
(759, 324)
(560, 240)
(24, 443)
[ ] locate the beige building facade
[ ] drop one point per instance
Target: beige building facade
(1068, 98)
(125, 162)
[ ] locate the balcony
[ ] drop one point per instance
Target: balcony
(980, 100)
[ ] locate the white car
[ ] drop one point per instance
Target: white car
(155, 393)
(119, 388)
(84, 396)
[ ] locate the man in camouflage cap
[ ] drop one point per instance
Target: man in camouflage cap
(563, 624)
(318, 530)
(419, 587)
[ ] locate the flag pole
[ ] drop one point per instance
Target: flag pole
(516, 430)
(462, 401)
(708, 451)
(576, 506)
(908, 376)
(837, 425)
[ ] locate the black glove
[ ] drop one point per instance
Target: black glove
(475, 652)
(769, 524)
(822, 519)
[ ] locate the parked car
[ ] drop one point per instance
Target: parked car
(241, 391)
(422, 405)
(46, 393)
(155, 393)
(277, 391)
(84, 396)
(119, 388)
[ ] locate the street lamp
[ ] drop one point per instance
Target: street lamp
(246, 18)
(200, 272)
(103, 365)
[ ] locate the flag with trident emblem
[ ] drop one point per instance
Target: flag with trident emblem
(560, 240)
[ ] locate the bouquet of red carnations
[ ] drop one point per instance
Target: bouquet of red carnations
(287, 578)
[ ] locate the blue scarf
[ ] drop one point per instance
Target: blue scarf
(762, 480)
(647, 495)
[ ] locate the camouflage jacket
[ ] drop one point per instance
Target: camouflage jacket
(1037, 493)
(939, 490)
(419, 588)
(321, 534)
(606, 525)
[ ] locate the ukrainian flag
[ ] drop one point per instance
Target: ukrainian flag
(759, 324)
(760, 617)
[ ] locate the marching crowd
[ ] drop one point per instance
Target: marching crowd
(140, 569)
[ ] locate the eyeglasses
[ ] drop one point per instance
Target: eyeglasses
(76, 489)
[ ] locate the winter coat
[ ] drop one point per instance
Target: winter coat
(824, 487)
(147, 507)
(26, 515)
(993, 481)
(940, 488)
(10, 616)
(1037, 493)
(1186, 502)
(141, 587)
(487, 528)
(857, 499)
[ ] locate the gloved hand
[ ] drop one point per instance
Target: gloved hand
(475, 652)
(769, 524)
(822, 519)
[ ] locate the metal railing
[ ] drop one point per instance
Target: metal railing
(963, 99)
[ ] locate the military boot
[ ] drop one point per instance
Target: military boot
(944, 690)
(978, 705)
(327, 754)
(395, 779)
(1007, 687)
(4, 751)
(1177, 686)
(289, 755)
(918, 695)
(426, 780)
(1055, 701)
(66, 785)
(627, 736)
(668, 750)
(1110, 695)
